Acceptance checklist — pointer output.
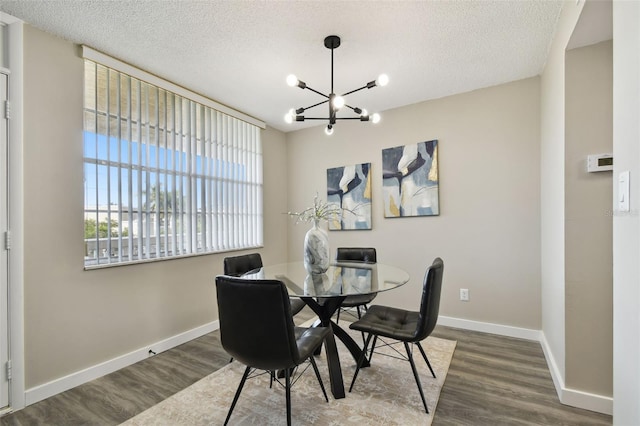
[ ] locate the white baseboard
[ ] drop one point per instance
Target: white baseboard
(486, 327)
(556, 375)
(587, 401)
(573, 397)
(62, 384)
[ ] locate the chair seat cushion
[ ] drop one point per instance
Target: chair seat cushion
(389, 322)
(308, 339)
(358, 300)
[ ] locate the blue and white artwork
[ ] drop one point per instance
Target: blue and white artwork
(349, 188)
(410, 180)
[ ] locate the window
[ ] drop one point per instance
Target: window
(164, 176)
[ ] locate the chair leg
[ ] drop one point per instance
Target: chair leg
(338, 316)
(361, 360)
(373, 346)
(235, 398)
(287, 375)
(415, 375)
(315, 369)
(424, 355)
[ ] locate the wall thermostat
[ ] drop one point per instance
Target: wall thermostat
(599, 162)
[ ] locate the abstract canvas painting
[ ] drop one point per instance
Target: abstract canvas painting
(410, 180)
(349, 188)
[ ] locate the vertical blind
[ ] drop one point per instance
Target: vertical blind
(164, 176)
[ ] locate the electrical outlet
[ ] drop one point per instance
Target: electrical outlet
(464, 294)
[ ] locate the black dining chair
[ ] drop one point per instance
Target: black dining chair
(236, 266)
(356, 254)
(257, 329)
(405, 326)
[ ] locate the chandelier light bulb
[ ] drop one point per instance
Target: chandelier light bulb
(288, 118)
(364, 113)
(375, 118)
(338, 102)
(382, 80)
(292, 80)
(329, 130)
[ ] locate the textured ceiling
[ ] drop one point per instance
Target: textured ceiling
(240, 52)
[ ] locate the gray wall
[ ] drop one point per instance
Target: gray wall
(76, 319)
(488, 231)
(589, 220)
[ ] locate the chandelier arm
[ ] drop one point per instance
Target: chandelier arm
(355, 90)
(353, 108)
(315, 105)
(336, 118)
(315, 91)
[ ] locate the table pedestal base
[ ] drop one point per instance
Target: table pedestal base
(325, 311)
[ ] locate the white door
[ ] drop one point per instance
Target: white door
(4, 306)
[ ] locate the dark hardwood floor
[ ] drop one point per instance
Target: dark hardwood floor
(493, 380)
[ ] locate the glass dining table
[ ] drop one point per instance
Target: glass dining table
(324, 293)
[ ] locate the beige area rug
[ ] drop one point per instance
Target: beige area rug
(384, 394)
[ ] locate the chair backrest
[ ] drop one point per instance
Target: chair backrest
(356, 254)
(256, 326)
(430, 304)
(239, 265)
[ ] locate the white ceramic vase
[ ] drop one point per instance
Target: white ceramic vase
(316, 250)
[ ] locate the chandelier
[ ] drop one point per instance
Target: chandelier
(336, 102)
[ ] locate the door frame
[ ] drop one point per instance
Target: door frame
(15, 219)
(4, 255)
